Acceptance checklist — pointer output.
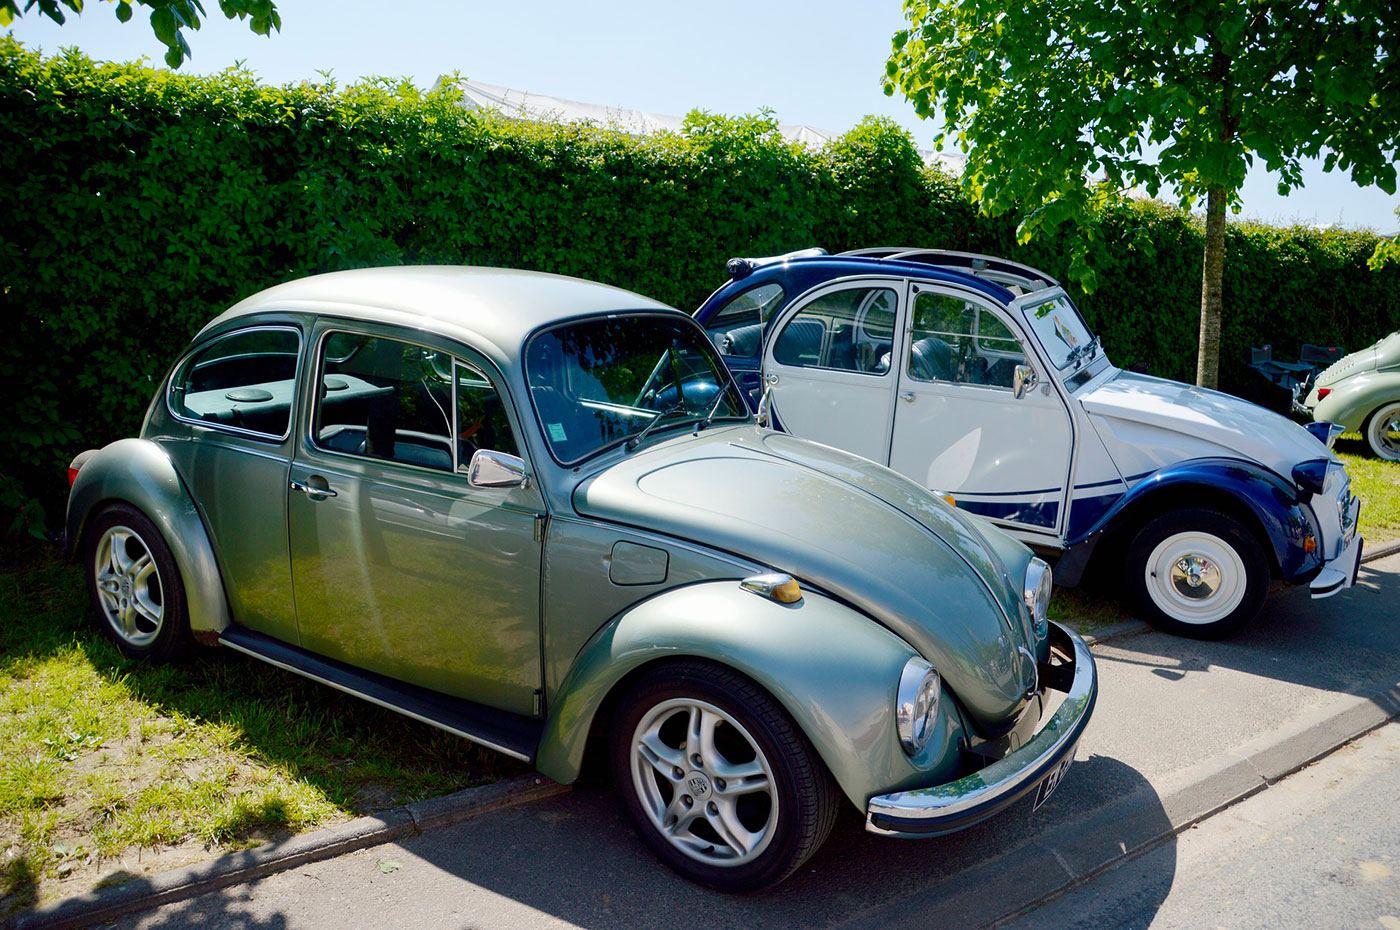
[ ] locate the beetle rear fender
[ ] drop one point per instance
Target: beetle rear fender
(1266, 503)
(1352, 400)
(832, 669)
(140, 473)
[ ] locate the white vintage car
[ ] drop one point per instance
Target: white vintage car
(979, 378)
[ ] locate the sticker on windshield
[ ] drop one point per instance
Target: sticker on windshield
(1067, 337)
(556, 432)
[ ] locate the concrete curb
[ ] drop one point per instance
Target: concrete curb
(1002, 889)
(236, 868)
(1381, 551)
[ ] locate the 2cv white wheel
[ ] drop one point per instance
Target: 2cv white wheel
(1383, 432)
(134, 585)
(1197, 572)
(717, 779)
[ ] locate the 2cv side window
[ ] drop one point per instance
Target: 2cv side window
(958, 341)
(737, 330)
(242, 382)
(400, 402)
(846, 330)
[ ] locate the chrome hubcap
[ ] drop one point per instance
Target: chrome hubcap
(703, 782)
(1196, 577)
(129, 592)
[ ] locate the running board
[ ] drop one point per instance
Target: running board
(513, 734)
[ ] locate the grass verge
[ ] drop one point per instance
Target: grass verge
(111, 768)
(1377, 483)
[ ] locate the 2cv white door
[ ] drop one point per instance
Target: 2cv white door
(959, 429)
(828, 370)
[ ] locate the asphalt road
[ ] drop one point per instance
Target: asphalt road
(1178, 722)
(1321, 849)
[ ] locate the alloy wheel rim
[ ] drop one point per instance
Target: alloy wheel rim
(129, 590)
(1196, 577)
(704, 783)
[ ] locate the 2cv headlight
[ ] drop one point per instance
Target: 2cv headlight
(1036, 592)
(916, 704)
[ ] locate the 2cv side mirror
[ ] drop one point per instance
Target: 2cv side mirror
(496, 470)
(1023, 381)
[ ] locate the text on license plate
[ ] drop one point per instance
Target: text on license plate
(1051, 782)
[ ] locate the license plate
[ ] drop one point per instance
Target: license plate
(1051, 782)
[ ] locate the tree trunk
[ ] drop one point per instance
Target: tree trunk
(1212, 288)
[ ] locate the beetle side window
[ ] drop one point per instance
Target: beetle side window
(846, 330)
(957, 341)
(243, 381)
(406, 403)
(737, 330)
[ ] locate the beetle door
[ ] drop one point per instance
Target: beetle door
(958, 428)
(400, 566)
(827, 365)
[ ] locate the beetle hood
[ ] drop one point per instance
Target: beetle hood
(853, 528)
(1149, 423)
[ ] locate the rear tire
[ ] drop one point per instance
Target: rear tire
(134, 585)
(1382, 432)
(1197, 572)
(717, 779)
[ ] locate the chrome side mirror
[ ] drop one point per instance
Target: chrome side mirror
(496, 470)
(1023, 381)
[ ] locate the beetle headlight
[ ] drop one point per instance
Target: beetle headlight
(916, 704)
(1036, 592)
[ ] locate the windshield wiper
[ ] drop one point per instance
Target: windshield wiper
(714, 408)
(637, 439)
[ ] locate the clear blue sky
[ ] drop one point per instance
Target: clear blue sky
(817, 62)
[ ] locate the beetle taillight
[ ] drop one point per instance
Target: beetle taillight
(1323, 392)
(72, 475)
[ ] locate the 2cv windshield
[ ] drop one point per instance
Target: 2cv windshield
(1061, 331)
(598, 382)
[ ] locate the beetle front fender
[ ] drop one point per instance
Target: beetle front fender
(1353, 399)
(832, 669)
(140, 473)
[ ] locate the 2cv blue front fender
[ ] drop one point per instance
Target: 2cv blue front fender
(834, 670)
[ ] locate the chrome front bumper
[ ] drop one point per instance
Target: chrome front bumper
(973, 798)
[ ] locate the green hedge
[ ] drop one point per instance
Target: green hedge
(138, 203)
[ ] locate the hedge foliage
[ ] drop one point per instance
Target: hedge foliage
(138, 203)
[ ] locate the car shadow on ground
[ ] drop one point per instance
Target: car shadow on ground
(574, 858)
(1345, 644)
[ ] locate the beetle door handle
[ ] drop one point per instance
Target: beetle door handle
(315, 493)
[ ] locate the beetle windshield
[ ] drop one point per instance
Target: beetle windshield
(1062, 332)
(602, 381)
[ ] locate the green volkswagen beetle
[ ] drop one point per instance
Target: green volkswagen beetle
(1362, 392)
(534, 511)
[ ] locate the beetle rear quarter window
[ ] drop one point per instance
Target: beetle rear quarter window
(242, 381)
(845, 330)
(400, 402)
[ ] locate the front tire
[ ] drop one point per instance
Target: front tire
(1383, 432)
(134, 585)
(1197, 572)
(717, 779)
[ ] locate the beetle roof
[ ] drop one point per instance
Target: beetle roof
(500, 306)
